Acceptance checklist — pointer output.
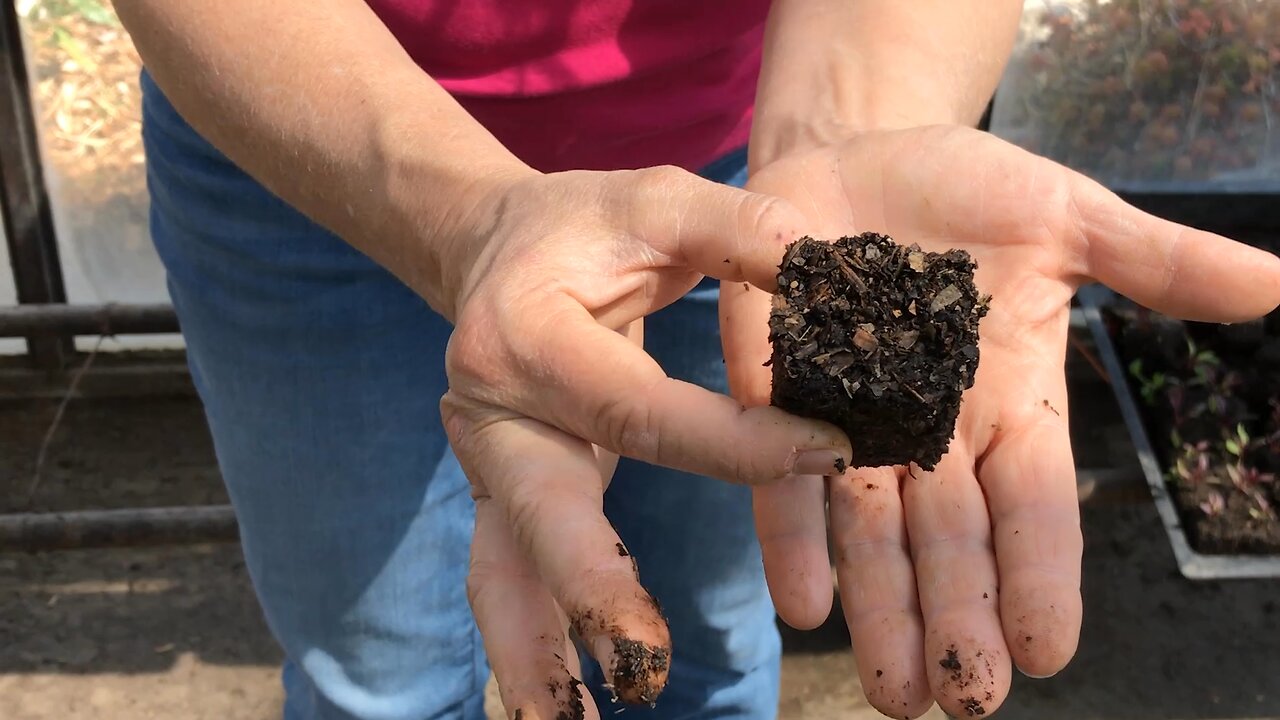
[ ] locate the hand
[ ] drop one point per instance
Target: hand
(544, 385)
(949, 577)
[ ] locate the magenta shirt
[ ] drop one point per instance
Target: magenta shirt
(601, 84)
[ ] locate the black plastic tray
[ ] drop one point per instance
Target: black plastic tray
(1193, 565)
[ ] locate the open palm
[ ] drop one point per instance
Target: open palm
(950, 578)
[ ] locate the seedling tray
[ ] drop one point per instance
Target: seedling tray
(1193, 565)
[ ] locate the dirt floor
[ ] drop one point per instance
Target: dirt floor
(175, 632)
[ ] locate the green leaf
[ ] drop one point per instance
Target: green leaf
(74, 49)
(1233, 447)
(1135, 368)
(95, 12)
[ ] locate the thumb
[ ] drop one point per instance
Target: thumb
(1177, 270)
(719, 231)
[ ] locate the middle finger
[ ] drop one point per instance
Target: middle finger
(551, 493)
(878, 590)
(965, 653)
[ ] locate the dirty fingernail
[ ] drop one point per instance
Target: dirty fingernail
(637, 671)
(818, 462)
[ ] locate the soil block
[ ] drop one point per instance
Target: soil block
(878, 339)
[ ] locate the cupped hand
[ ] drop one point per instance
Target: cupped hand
(948, 579)
(546, 386)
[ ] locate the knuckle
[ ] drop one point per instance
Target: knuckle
(526, 504)
(488, 583)
(651, 189)
(745, 467)
(478, 579)
(628, 426)
(769, 218)
(472, 357)
(756, 463)
(499, 356)
(453, 417)
(457, 415)
(751, 459)
(660, 178)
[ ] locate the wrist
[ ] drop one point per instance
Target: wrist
(875, 65)
(448, 200)
(475, 212)
(785, 126)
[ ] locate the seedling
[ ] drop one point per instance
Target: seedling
(1224, 436)
(1149, 385)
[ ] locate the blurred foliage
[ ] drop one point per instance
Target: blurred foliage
(85, 81)
(93, 11)
(1153, 89)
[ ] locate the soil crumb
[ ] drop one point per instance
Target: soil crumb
(951, 661)
(639, 671)
(972, 707)
(572, 708)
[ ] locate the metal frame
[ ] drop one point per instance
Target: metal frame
(28, 218)
(42, 316)
(32, 532)
(67, 320)
(49, 326)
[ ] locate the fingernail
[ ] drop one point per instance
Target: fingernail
(602, 651)
(818, 462)
(640, 675)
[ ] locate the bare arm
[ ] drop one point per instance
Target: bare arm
(317, 100)
(835, 67)
(541, 274)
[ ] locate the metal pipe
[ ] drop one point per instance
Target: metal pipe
(24, 198)
(31, 532)
(110, 319)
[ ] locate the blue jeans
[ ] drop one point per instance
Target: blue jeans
(321, 375)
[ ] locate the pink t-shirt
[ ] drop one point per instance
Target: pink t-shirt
(597, 84)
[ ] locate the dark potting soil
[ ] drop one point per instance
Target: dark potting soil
(1199, 385)
(878, 339)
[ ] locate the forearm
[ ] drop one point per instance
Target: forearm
(834, 67)
(316, 100)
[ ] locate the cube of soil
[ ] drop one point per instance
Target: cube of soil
(878, 339)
